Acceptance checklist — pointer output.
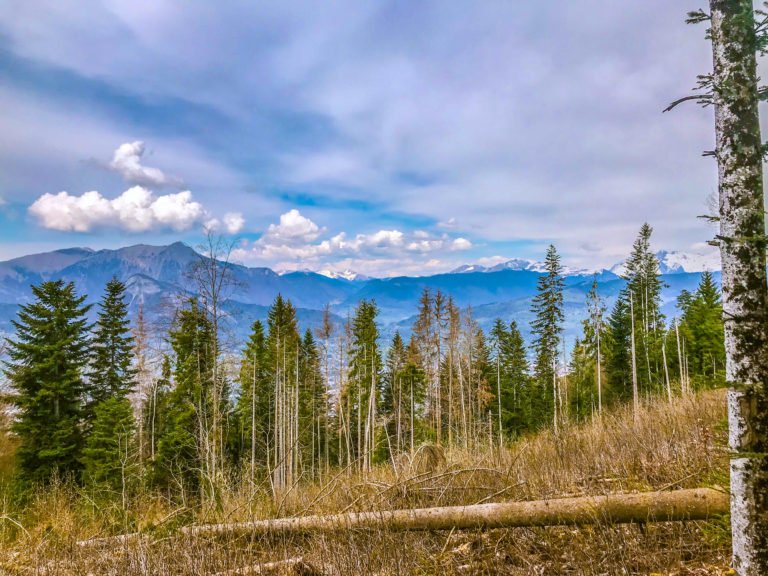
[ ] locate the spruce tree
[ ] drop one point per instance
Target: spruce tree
(547, 328)
(48, 357)
(617, 351)
(394, 398)
(254, 404)
(283, 355)
(644, 290)
(365, 373)
(112, 372)
(182, 460)
(111, 378)
(701, 328)
(313, 404)
(516, 403)
(110, 455)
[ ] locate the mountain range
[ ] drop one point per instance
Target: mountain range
(157, 277)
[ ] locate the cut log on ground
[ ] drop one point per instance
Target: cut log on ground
(679, 505)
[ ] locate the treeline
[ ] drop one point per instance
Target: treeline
(292, 406)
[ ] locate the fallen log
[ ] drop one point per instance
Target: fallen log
(693, 504)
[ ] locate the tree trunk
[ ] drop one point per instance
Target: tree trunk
(635, 396)
(695, 504)
(745, 294)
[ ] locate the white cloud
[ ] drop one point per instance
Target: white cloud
(293, 228)
(460, 244)
(295, 243)
(135, 210)
(233, 222)
(127, 162)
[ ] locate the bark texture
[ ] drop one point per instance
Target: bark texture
(695, 504)
(745, 294)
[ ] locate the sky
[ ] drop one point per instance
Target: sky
(386, 137)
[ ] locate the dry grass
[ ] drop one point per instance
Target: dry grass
(666, 447)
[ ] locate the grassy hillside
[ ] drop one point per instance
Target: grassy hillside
(668, 446)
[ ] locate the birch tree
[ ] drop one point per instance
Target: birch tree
(733, 90)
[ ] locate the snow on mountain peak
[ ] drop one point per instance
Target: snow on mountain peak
(347, 274)
(517, 264)
(675, 262)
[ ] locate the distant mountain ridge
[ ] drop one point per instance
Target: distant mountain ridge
(670, 262)
(158, 276)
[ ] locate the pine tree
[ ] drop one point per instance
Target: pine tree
(365, 372)
(110, 457)
(112, 372)
(183, 459)
(313, 404)
(516, 403)
(283, 355)
(394, 398)
(111, 378)
(644, 291)
(48, 357)
(701, 328)
(547, 328)
(254, 404)
(617, 351)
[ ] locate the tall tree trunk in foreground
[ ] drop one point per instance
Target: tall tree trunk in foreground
(745, 294)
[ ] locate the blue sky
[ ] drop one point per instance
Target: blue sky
(384, 136)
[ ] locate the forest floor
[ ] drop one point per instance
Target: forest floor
(668, 446)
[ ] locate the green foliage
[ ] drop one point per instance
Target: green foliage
(179, 460)
(365, 366)
(47, 359)
(547, 328)
(701, 330)
(111, 372)
(109, 457)
(254, 403)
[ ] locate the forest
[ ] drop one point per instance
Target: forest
(289, 407)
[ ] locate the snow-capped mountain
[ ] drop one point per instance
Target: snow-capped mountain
(517, 264)
(157, 276)
(347, 274)
(675, 262)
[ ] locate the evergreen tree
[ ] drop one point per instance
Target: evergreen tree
(313, 404)
(254, 404)
(702, 331)
(182, 459)
(547, 329)
(108, 448)
(364, 382)
(112, 372)
(644, 290)
(516, 402)
(48, 357)
(617, 351)
(109, 457)
(283, 355)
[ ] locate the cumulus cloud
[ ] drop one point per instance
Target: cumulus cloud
(293, 228)
(126, 161)
(295, 242)
(135, 210)
(460, 244)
